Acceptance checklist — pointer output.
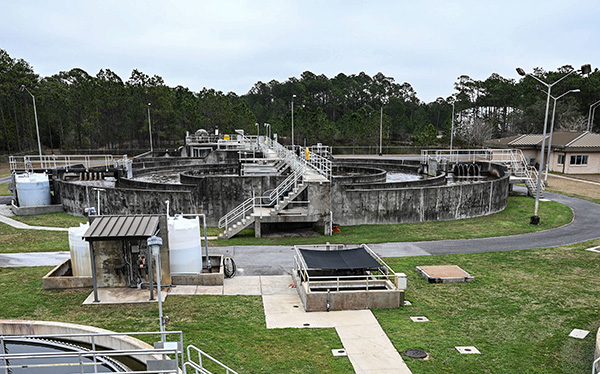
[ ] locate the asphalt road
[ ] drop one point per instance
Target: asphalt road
(270, 260)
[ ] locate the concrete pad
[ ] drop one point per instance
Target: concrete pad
(367, 346)
(247, 285)
(467, 350)
(339, 352)
(277, 285)
(579, 334)
(419, 319)
(209, 290)
(124, 295)
(444, 274)
(183, 290)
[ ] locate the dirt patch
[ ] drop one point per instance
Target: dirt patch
(573, 186)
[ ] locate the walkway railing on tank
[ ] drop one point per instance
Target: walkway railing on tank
(157, 357)
(52, 162)
(198, 365)
(373, 278)
(513, 158)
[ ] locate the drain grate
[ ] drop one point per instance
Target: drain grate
(415, 353)
(306, 324)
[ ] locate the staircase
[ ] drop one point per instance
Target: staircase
(245, 214)
(521, 171)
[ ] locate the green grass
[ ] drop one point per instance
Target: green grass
(511, 221)
(60, 219)
(4, 190)
(518, 312)
(230, 328)
(597, 201)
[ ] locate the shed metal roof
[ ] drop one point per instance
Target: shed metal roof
(121, 227)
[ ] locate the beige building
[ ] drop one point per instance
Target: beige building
(571, 152)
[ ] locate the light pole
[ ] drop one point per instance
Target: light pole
(257, 130)
(268, 130)
(594, 105)
(37, 129)
(452, 128)
(585, 69)
(592, 118)
(381, 131)
(552, 130)
(150, 129)
(293, 97)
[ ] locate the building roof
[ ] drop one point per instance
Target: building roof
(588, 140)
(121, 227)
(560, 139)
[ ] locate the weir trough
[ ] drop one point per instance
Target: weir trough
(336, 277)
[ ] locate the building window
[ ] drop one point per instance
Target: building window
(579, 160)
(561, 159)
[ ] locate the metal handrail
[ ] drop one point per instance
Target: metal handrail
(50, 162)
(94, 352)
(199, 366)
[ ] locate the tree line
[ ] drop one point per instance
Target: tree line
(78, 111)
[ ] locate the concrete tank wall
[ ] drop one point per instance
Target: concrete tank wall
(353, 205)
(120, 201)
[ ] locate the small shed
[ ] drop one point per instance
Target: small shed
(119, 253)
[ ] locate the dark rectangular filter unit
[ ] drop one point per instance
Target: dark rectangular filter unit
(343, 259)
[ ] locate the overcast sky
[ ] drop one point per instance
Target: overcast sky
(230, 45)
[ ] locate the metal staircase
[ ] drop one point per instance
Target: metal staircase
(246, 213)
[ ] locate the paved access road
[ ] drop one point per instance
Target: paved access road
(266, 260)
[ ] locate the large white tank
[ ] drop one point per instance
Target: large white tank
(33, 189)
(80, 251)
(185, 245)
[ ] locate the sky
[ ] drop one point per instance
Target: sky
(231, 45)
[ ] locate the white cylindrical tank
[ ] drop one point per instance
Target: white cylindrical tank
(80, 251)
(185, 245)
(33, 189)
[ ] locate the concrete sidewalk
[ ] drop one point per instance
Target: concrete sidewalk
(368, 348)
(5, 212)
(32, 259)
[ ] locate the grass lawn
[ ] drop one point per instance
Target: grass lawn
(511, 221)
(229, 328)
(518, 312)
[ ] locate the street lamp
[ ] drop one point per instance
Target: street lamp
(37, 129)
(452, 128)
(552, 129)
(257, 130)
(585, 69)
(594, 105)
(268, 130)
(150, 129)
(293, 97)
(381, 131)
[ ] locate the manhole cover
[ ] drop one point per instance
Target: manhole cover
(415, 353)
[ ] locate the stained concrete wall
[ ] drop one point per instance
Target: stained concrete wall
(121, 201)
(354, 206)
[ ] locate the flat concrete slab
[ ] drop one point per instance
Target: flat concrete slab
(124, 295)
(183, 290)
(367, 346)
(249, 285)
(579, 334)
(33, 259)
(444, 274)
(277, 285)
(209, 290)
(468, 350)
